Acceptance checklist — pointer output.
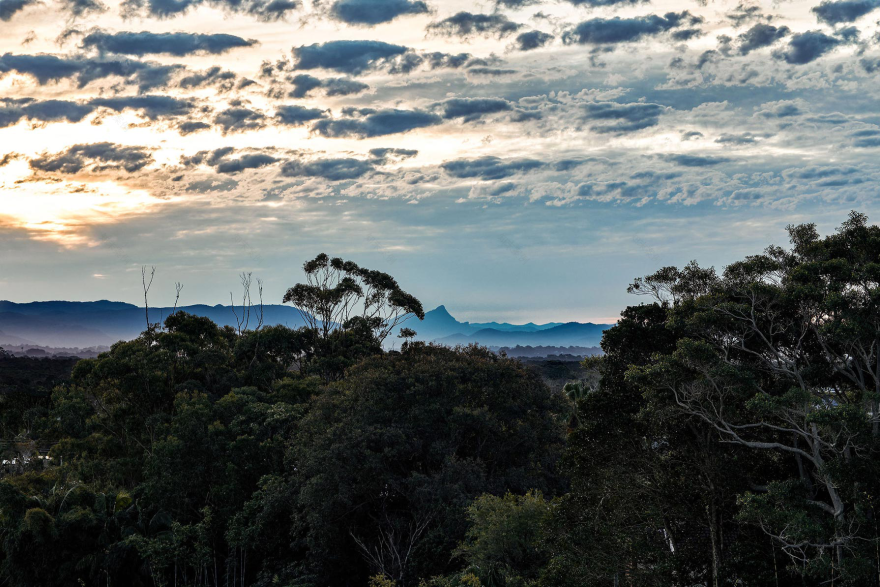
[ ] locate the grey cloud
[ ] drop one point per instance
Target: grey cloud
(760, 35)
(51, 68)
(373, 12)
(818, 173)
(221, 160)
(224, 80)
(806, 47)
(210, 158)
(599, 31)
(177, 44)
(516, 3)
(532, 40)
(331, 169)
(304, 84)
(237, 119)
(152, 106)
(9, 8)
(686, 160)
(213, 184)
(294, 115)
(491, 71)
(834, 13)
(866, 138)
(489, 167)
(46, 111)
(191, 126)
(80, 8)
(247, 161)
(266, 10)
(870, 64)
(100, 156)
(598, 3)
(743, 14)
(376, 124)
(384, 155)
(352, 57)
(619, 118)
(470, 109)
(737, 139)
(468, 24)
(781, 109)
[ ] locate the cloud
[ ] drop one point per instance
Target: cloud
(331, 169)
(357, 57)
(9, 8)
(737, 139)
(237, 119)
(351, 57)
(866, 138)
(598, 3)
(152, 107)
(51, 68)
(191, 126)
(686, 160)
(337, 86)
(834, 13)
(760, 35)
(80, 8)
(210, 158)
(297, 115)
(489, 167)
(247, 161)
(744, 13)
(532, 40)
(373, 12)
(599, 31)
(467, 24)
(806, 47)
(470, 109)
(516, 3)
(101, 157)
(46, 111)
(177, 44)
(224, 80)
(376, 124)
(620, 118)
(221, 160)
(780, 109)
(265, 10)
(384, 155)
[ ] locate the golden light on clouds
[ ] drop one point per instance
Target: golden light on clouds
(65, 212)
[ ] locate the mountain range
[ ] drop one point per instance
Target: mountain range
(101, 323)
(440, 326)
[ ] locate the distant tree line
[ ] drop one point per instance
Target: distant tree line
(728, 435)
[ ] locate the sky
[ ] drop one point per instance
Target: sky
(518, 160)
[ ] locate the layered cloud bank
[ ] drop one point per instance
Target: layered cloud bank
(396, 126)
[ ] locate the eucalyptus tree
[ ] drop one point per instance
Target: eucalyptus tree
(341, 293)
(781, 355)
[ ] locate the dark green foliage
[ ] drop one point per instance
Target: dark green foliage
(728, 436)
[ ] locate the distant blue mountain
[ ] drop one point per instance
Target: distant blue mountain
(101, 323)
(86, 324)
(440, 326)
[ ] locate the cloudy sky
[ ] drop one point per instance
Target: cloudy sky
(514, 160)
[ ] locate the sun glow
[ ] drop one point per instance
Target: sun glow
(66, 211)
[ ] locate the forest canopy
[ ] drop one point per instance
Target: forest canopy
(728, 435)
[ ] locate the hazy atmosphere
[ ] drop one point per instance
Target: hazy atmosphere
(514, 161)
